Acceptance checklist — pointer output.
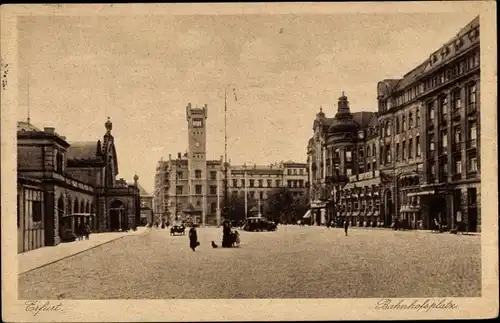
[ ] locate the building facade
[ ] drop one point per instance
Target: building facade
(187, 188)
(146, 205)
(260, 181)
(417, 158)
(57, 178)
(431, 125)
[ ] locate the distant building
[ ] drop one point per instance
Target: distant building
(261, 180)
(57, 179)
(417, 159)
(146, 205)
(186, 188)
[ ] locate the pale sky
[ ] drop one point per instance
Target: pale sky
(143, 71)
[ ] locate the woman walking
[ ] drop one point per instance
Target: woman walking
(346, 226)
(193, 238)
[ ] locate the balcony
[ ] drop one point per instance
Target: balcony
(456, 176)
(443, 151)
(472, 144)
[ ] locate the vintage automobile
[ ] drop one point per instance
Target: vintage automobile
(259, 224)
(177, 229)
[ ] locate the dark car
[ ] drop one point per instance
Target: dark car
(177, 229)
(259, 224)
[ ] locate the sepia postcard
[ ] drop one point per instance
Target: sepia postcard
(249, 161)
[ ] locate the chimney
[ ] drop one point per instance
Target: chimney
(50, 130)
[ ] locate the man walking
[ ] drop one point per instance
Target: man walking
(346, 226)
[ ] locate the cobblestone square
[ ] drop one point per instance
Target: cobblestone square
(294, 262)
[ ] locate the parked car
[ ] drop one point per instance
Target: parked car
(178, 229)
(259, 224)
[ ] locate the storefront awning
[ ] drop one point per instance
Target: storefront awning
(307, 215)
(429, 192)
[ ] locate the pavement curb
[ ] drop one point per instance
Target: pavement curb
(71, 255)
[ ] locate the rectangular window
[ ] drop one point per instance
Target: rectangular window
(36, 211)
(432, 112)
(444, 139)
(289, 172)
(213, 190)
(179, 175)
(198, 189)
(252, 183)
(403, 153)
(388, 153)
(178, 190)
(472, 164)
(473, 135)
(432, 169)
(278, 183)
(197, 173)
(261, 195)
(457, 100)
(404, 123)
(301, 183)
(476, 59)
(269, 183)
(348, 156)
(410, 120)
(348, 171)
(471, 196)
(397, 151)
(301, 171)
(458, 166)
(410, 148)
(243, 183)
(443, 102)
(431, 143)
(471, 102)
(260, 183)
(235, 183)
(417, 118)
(213, 175)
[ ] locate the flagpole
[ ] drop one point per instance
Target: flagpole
(246, 193)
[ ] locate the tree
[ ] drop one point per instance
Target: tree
(284, 207)
(236, 207)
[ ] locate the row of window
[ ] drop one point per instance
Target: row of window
(269, 182)
(472, 166)
(261, 195)
(457, 138)
(461, 67)
(404, 151)
(295, 171)
(197, 175)
(456, 102)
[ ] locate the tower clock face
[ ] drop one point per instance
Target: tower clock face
(197, 123)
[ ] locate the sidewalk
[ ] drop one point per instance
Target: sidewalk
(40, 257)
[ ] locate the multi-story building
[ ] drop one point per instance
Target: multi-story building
(343, 169)
(57, 179)
(421, 149)
(260, 180)
(146, 205)
(187, 187)
(430, 143)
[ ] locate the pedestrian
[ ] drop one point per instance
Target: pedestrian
(193, 238)
(346, 226)
(80, 230)
(226, 235)
(87, 231)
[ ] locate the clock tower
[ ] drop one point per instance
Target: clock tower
(197, 160)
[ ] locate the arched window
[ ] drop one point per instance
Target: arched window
(75, 206)
(70, 205)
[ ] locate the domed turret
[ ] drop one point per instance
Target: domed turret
(108, 125)
(343, 121)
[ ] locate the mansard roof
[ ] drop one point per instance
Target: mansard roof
(84, 150)
(364, 118)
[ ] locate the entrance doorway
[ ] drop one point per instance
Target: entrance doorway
(388, 206)
(437, 210)
(117, 219)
